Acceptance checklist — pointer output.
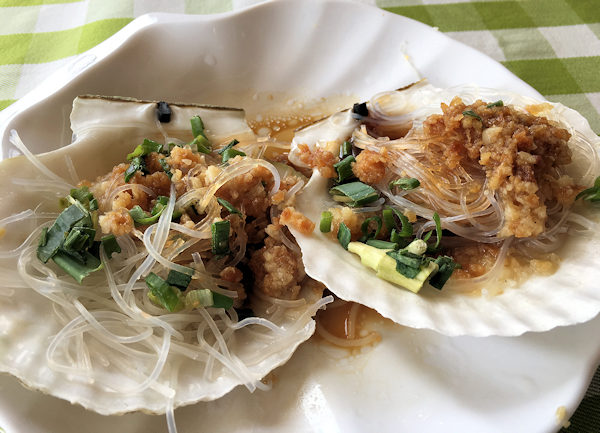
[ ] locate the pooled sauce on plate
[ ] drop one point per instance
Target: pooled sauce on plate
(348, 325)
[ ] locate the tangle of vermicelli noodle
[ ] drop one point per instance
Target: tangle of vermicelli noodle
(111, 335)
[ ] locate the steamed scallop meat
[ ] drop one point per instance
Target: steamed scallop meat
(148, 264)
(468, 211)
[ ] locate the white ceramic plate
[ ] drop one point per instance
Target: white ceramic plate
(414, 380)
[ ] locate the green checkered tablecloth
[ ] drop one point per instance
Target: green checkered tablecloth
(554, 45)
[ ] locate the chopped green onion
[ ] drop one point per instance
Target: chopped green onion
(179, 279)
(222, 301)
(93, 204)
(110, 245)
(199, 298)
(405, 183)
(78, 269)
(165, 167)
(446, 266)
(79, 238)
(202, 144)
(383, 245)
(200, 138)
(344, 235)
(388, 219)
(206, 298)
(230, 153)
(345, 149)
(438, 233)
(230, 208)
(229, 146)
(220, 237)
(407, 228)
(364, 228)
(408, 264)
(471, 113)
(55, 236)
(162, 293)
(146, 148)
(137, 164)
(356, 193)
(83, 195)
(197, 126)
(325, 223)
(344, 168)
(498, 103)
(591, 194)
(141, 217)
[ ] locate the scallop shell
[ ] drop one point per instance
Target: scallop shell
(105, 130)
(570, 296)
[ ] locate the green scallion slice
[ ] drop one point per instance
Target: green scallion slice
(405, 183)
(162, 293)
(344, 169)
(166, 168)
(146, 148)
(325, 223)
(222, 301)
(179, 279)
(93, 204)
(220, 237)
(79, 238)
(446, 266)
(197, 126)
(78, 269)
(498, 103)
(230, 208)
(110, 245)
(137, 164)
(438, 233)
(55, 236)
(230, 153)
(408, 264)
(200, 138)
(383, 245)
(357, 193)
(344, 235)
(407, 228)
(471, 113)
(364, 228)
(82, 195)
(591, 194)
(387, 216)
(345, 149)
(228, 146)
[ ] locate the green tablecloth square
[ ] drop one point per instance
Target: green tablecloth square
(520, 44)
(49, 46)
(503, 15)
(545, 13)
(94, 33)
(14, 48)
(547, 76)
(588, 11)
(585, 71)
